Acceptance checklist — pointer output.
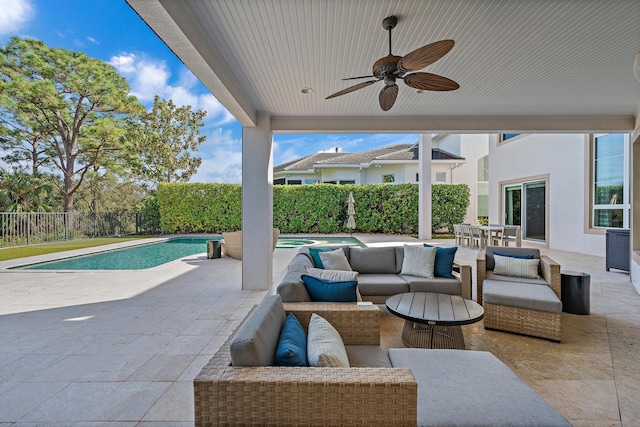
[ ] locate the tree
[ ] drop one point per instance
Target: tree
(75, 106)
(22, 192)
(165, 138)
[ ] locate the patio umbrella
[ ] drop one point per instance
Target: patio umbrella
(351, 222)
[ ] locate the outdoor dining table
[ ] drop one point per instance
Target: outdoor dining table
(494, 231)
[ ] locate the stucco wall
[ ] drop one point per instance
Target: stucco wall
(563, 159)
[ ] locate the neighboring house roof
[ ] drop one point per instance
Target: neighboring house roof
(305, 163)
(407, 152)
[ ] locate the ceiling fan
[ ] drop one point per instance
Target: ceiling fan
(392, 67)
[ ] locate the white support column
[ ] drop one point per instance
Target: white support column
(424, 187)
(257, 205)
(634, 219)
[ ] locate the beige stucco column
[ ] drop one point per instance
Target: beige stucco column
(424, 187)
(257, 205)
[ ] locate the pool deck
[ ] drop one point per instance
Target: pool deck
(120, 348)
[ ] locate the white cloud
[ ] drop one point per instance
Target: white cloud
(14, 14)
(148, 77)
(92, 40)
(221, 158)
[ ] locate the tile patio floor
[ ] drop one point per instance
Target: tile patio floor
(121, 348)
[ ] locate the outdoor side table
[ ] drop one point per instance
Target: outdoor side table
(214, 249)
(575, 292)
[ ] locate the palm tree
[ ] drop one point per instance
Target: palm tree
(23, 192)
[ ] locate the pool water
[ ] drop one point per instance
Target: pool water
(149, 255)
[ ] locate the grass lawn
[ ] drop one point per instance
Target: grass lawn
(69, 245)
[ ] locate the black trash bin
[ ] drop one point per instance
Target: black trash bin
(214, 249)
(576, 292)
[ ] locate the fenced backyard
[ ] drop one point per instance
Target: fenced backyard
(27, 228)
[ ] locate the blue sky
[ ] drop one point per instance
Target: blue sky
(110, 30)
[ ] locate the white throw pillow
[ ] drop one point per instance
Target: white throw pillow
(419, 261)
(516, 267)
(324, 345)
(338, 275)
(335, 260)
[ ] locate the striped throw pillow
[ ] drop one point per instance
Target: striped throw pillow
(324, 345)
(419, 261)
(516, 267)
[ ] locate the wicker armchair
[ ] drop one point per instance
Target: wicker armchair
(276, 395)
(232, 243)
(526, 321)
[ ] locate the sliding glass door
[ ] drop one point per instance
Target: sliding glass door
(525, 205)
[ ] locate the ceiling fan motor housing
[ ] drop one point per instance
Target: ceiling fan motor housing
(385, 66)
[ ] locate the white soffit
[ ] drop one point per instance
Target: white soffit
(547, 65)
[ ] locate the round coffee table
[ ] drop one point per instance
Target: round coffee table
(434, 320)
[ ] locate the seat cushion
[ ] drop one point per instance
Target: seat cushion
(439, 285)
(373, 260)
(256, 341)
(381, 284)
(522, 295)
(368, 356)
(472, 388)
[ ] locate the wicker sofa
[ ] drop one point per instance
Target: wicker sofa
(520, 305)
(406, 387)
(379, 275)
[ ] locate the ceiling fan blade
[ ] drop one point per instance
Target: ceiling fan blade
(352, 89)
(388, 96)
(361, 77)
(425, 55)
(428, 81)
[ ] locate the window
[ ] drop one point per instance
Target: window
(279, 181)
(390, 178)
(610, 193)
(294, 182)
(482, 210)
(505, 136)
(310, 181)
(329, 182)
(441, 177)
(347, 181)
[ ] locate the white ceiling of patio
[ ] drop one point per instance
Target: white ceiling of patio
(547, 65)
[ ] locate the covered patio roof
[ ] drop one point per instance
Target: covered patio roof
(522, 66)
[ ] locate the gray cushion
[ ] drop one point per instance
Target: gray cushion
(462, 388)
(256, 341)
(492, 276)
(381, 284)
(373, 260)
(523, 295)
(368, 356)
(440, 285)
(399, 258)
(291, 288)
(507, 250)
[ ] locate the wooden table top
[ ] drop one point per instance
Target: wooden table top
(435, 309)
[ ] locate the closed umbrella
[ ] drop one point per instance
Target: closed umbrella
(351, 222)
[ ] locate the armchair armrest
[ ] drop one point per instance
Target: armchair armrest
(462, 272)
(551, 273)
(481, 273)
(356, 324)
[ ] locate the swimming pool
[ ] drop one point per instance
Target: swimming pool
(140, 257)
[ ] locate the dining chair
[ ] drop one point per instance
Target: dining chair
(509, 235)
(457, 233)
(466, 234)
(477, 238)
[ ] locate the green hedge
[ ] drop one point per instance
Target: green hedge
(381, 208)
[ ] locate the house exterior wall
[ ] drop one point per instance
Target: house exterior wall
(472, 147)
(564, 160)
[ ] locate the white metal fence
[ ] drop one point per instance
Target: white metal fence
(26, 228)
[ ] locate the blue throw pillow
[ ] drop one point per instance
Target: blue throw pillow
(444, 261)
(324, 290)
(514, 255)
(315, 255)
(292, 344)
